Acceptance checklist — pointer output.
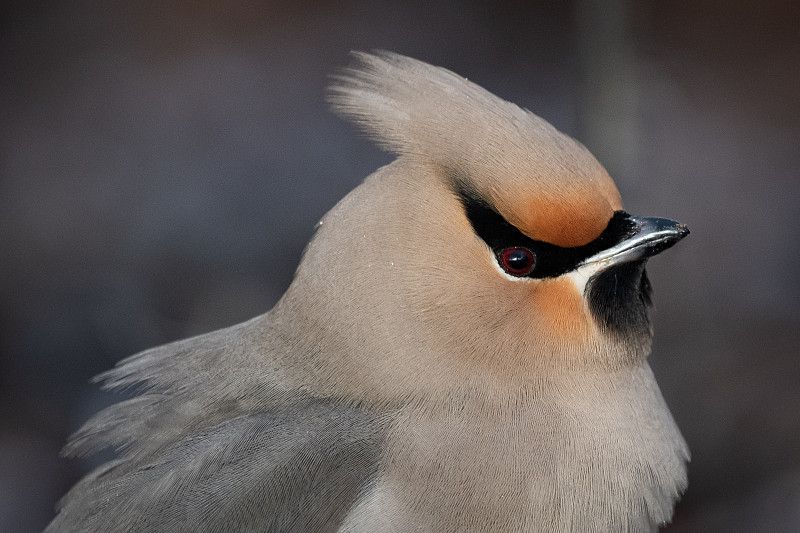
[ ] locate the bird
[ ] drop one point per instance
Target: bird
(463, 348)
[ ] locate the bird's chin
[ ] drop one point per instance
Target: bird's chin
(620, 300)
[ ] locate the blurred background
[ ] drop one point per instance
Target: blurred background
(162, 165)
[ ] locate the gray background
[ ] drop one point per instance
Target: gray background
(162, 164)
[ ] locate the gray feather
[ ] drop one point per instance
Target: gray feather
(230, 466)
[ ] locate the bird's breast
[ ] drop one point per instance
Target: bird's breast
(582, 458)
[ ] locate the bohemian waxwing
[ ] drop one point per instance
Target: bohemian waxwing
(463, 348)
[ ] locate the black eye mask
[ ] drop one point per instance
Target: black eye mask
(550, 260)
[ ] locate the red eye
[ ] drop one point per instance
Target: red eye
(517, 261)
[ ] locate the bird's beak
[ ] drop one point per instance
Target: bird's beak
(650, 236)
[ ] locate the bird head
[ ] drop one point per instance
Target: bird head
(493, 250)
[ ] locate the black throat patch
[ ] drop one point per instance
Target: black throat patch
(621, 299)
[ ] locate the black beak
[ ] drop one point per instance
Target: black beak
(650, 236)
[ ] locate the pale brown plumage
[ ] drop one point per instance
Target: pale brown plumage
(408, 380)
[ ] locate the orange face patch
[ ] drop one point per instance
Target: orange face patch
(560, 306)
(565, 217)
